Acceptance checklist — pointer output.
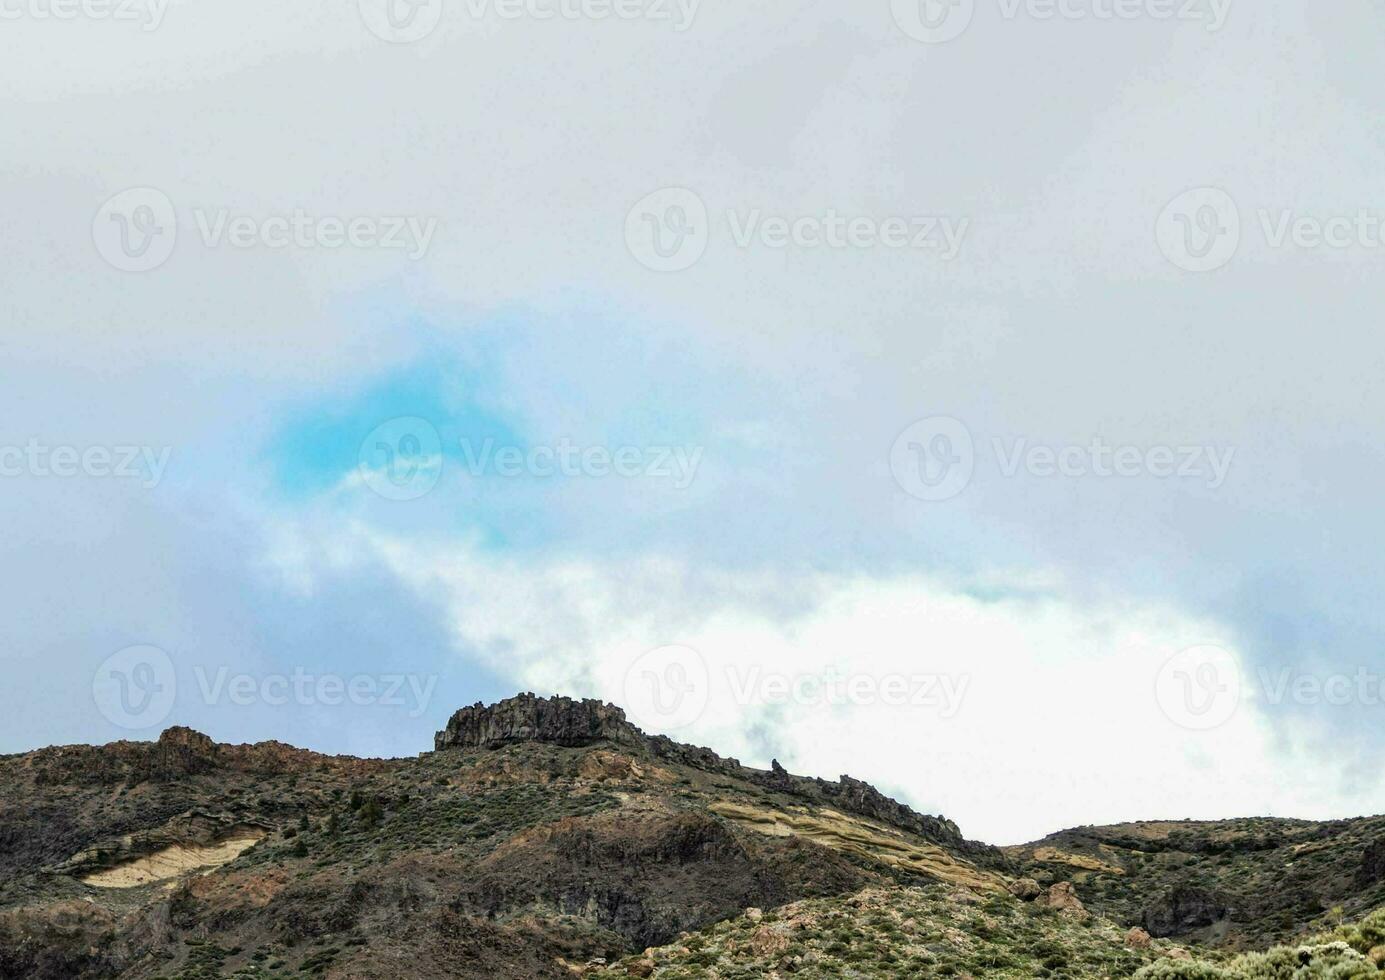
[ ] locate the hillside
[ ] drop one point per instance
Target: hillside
(1241, 884)
(552, 838)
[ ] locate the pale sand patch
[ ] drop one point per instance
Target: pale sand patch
(1052, 855)
(846, 833)
(174, 861)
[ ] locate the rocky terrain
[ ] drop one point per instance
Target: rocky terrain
(552, 838)
(1238, 883)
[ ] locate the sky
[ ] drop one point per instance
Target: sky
(977, 397)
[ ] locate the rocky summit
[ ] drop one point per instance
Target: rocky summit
(550, 837)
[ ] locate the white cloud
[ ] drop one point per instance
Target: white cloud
(1057, 725)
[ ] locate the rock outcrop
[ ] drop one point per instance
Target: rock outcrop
(567, 722)
(1062, 897)
(1137, 938)
(1372, 869)
(1183, 909)
(1025, 889)
(526, 718)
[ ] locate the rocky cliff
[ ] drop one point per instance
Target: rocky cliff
(567, 722)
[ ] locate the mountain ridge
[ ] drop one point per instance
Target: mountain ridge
(550, 837)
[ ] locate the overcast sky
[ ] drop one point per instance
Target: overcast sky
(978, 398)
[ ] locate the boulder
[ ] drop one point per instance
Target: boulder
(1025, 889)
(1062, 897)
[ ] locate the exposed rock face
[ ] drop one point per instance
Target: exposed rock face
(563, 721)
(1181, 910)
(1137, 938)
(193, 828)
(526, 718)
(1025, 889)
(1372, 868)
(1062, 897)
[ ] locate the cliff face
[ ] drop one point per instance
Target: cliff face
(563, 721)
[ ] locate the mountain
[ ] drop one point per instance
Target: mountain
(547, 837)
